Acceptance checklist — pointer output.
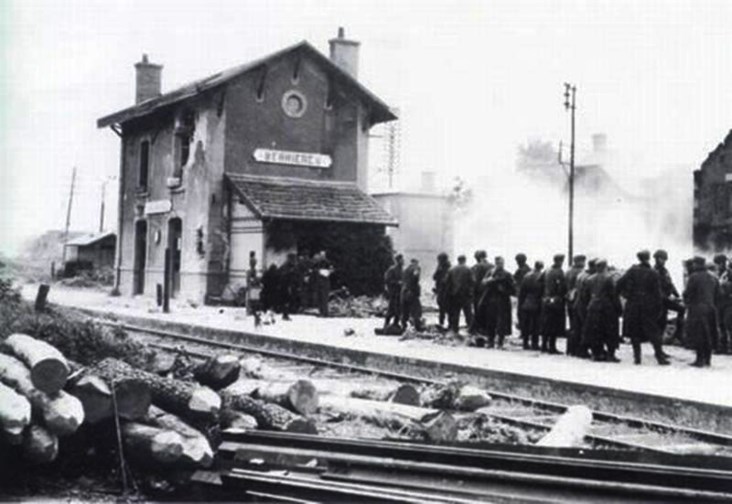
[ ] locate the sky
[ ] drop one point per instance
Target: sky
(472, 81)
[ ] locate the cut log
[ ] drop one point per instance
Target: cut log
(433, 423)
(232, 419)
(269, 416)
(218, 372)
(188, 400)
(153, 444)
(252, 367)
(300, 397)
(197, 450)
(471, 398)
(40, 446)
(570, 430)
(95, 396)
(62, 413)
(95, 393)
(48, 366)
(405, 394)
(15, 414)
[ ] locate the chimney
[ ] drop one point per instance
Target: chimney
(344, 53)
(599, 142)
(148, 80)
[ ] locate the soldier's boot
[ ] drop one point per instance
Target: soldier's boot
(553, 345)
(525, 340)
(636, 353)
(708, 357)
(491, 341)
(661, 357)
(700, 359)
(500, 340)
(544, 343)
(534, 341)
(611, 355)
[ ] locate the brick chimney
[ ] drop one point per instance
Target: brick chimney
(344, 53)
(148, 80)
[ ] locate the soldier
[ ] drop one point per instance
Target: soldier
(671, 296)
(440, 278)
(575, 333)
(322, 270)
(720, 268)
(641, 287)
(601, 329)
(497, 291)
(720, 265)
(554, 315)
(305, 275)
(724, 310)
(411, 305)
(393, 288)
(529, 306)
(479, 270)
(460, 287)
(522, 269)
(289, 283)
(270, 289)
(701, 295)
(582, 301)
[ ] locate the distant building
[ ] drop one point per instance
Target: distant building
(262, 158)
(92, 251)
(712, 228)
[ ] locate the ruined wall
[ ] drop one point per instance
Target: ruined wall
(713, 200)
(261, 122)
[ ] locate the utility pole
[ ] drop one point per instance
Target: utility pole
(68, 216)
(570, 105)
(101, 210)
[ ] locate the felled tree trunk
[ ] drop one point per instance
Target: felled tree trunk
(232, 419)
(471, 398)
(197, 450)
(48, 367)
(188, 400)
(268, 416)
(437, 425)
(570, 430)
(40, 446)
(300, 397)
(403, 394)
(95, 396)
(218, 372)
(62, 413)
(153, 444)
(15, 414)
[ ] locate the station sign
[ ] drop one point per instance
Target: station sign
(310, 159)
(158, 207)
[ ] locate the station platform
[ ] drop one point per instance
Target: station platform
(677, 382)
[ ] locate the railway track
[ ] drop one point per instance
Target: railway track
(608, 430)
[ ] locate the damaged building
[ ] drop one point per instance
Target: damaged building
(263, 159)
(712, 228)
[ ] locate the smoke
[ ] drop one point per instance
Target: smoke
(527, 211)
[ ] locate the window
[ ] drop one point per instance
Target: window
(144, 165)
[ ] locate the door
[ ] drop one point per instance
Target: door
(138, 271)
(175, 239)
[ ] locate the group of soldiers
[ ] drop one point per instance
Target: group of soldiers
(584, 304)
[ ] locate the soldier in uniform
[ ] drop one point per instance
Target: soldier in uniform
(393, 288)
(440, 278)
(671, 296)
(522, 269)
(641, 288)
(498, 289)
(460, 287)
(553, 305)
(724, 310)
(601, 328)
(322, 270)
(411, 305)
(479, 270)
(701, 295)
(720, 269)
(581, 302)
(289, 284)
(529, 306)
(575, 333)
(720, 265)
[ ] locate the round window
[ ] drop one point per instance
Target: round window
(294, 103)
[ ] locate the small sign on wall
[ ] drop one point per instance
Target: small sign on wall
(310, 159)
(157, 207)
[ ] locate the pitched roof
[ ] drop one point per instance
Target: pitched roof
(299, 199)
(380, 112)
(89, 239)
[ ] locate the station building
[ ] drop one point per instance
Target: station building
(712, 227)
(261, 158)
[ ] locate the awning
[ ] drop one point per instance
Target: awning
(313, 200)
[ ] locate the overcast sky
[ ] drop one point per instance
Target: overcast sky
(472, 79)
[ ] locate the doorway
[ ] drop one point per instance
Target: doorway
(140, 259)
(175, 239)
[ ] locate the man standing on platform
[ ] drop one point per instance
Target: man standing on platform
(440, 279)
(701, 295)
(322, 270)
(529, 306)
(479, 270)
(555, 296)
(601, 329)
(641, 288)
(393, 287)
(411, 304)
(671, 296)
(289, 284)
(499, 288)
(574, 337)
(460, 287)
(582, 301)
(724, 310)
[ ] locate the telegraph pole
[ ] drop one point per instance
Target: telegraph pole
(570, 105)
(68, 216)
